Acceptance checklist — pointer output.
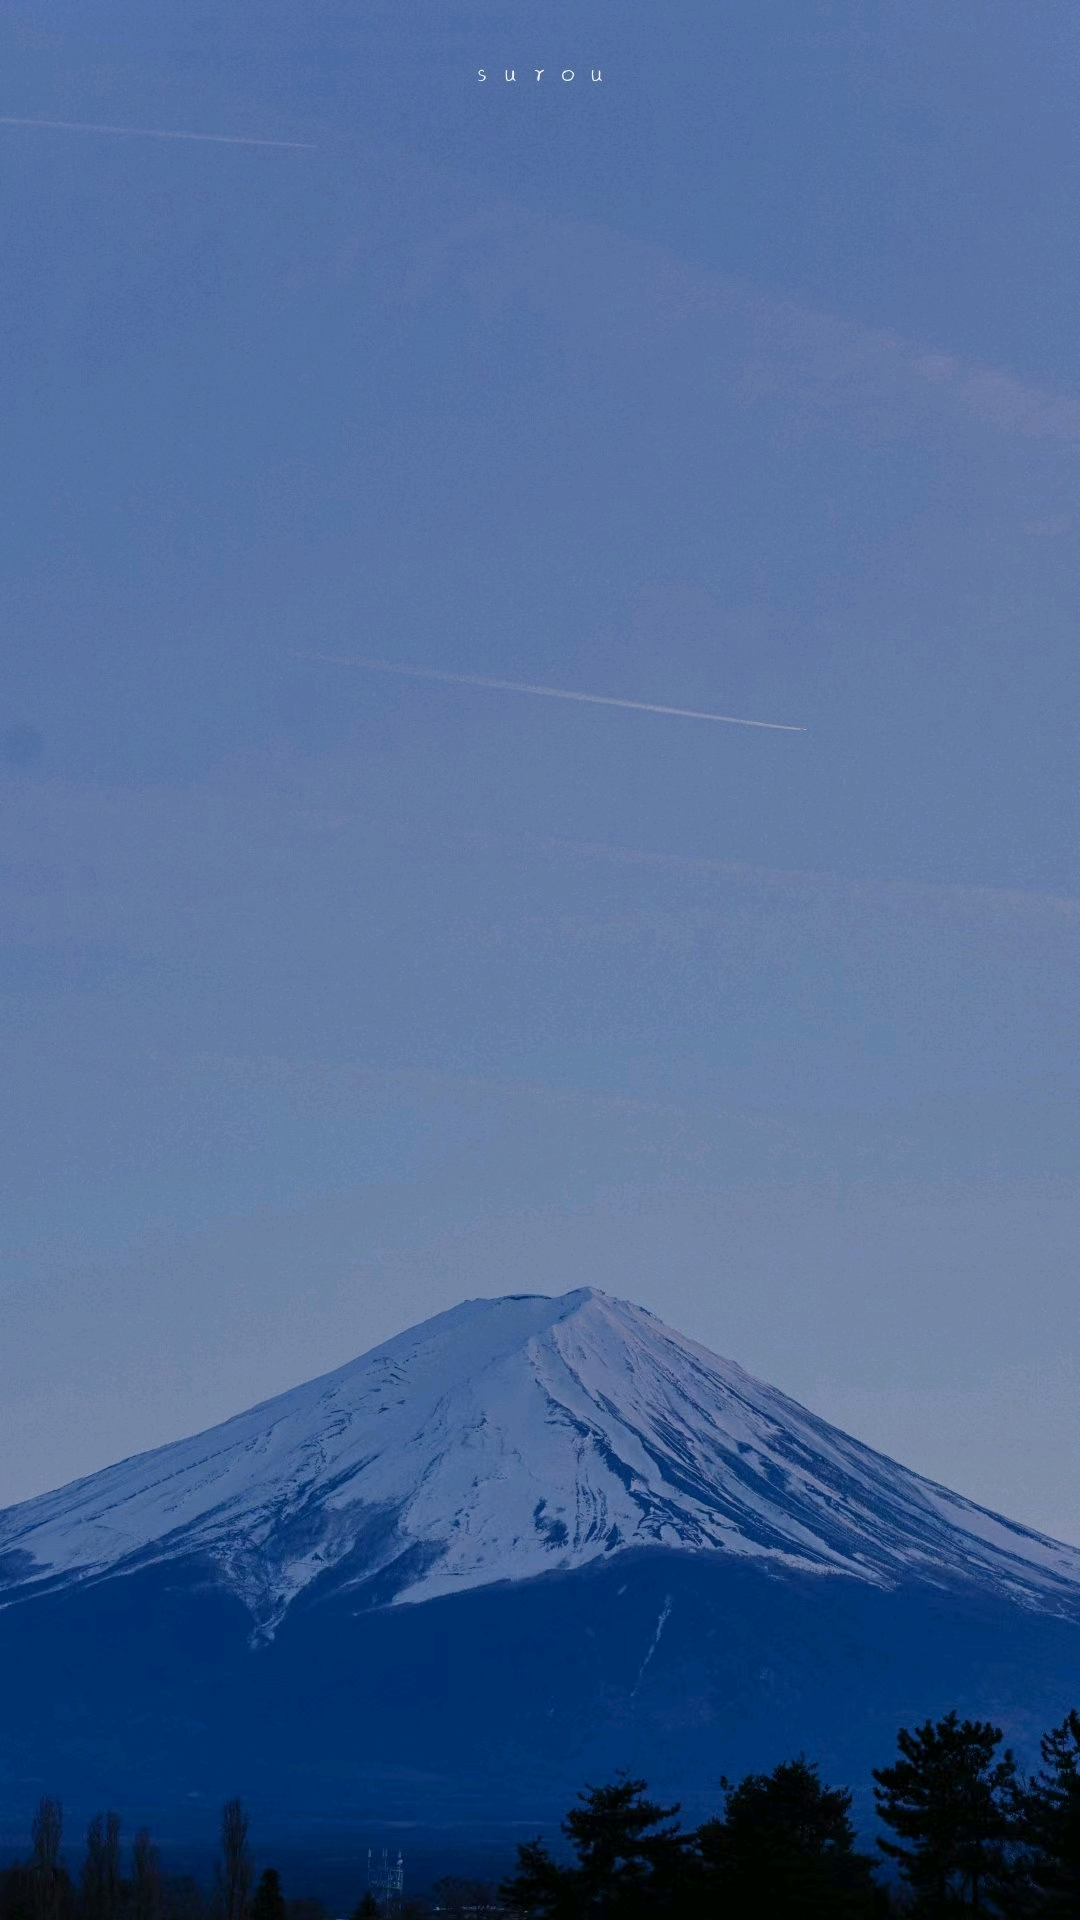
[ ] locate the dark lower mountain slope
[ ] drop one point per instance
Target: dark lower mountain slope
(489, 1708)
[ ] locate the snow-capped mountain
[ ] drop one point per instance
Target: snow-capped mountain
(509, 1438)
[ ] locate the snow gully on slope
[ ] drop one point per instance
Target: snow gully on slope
(665, 1615)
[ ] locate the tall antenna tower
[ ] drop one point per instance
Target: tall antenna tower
(386, 1878)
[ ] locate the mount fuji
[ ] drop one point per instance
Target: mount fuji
(510, 1438)
(528, 1540)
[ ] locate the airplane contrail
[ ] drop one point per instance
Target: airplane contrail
(152, 133)
(549, 693)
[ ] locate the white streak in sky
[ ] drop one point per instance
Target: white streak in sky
(152, 133)
(549, 693)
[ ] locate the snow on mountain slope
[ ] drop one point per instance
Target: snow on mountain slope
(507, 1438)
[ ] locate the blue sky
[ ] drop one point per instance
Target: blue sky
(746, 379)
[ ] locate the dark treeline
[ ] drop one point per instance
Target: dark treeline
(964, 1832)
(41, 1888)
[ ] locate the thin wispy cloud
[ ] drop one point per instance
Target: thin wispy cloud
(150, 133)
(547, 693)
(826, 368)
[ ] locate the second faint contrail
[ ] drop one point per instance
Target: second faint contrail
(152, 133)
(548, 693)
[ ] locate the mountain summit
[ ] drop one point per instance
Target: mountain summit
(509, 1438)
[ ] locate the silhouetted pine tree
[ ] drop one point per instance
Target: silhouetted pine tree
(629, 1860)
(1052, 1821)
(268, 1902)
(100, 1886)
(785, 1845)
(956, 1809)
(234, 1869)
(146, 1888)
(47, 1877)
(40, 1888)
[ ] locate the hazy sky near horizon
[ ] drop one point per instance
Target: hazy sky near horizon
(747, 379)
